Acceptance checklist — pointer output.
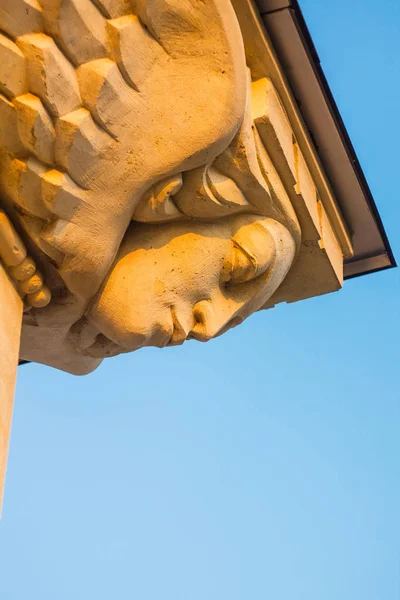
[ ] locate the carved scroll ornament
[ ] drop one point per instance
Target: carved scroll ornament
(130, 166)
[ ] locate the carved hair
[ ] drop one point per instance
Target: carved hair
(74, 82)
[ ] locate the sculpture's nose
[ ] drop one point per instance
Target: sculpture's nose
(207, 321)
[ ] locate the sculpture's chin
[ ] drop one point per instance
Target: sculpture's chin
(103, 348)
(89, 342)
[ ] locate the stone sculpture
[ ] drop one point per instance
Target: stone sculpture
(131, 166)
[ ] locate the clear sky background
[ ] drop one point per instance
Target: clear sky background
(265, 464)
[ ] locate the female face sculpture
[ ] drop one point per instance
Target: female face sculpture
(194, 280)
(128, 159)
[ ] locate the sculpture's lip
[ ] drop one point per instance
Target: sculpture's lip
(179, 335)
(90, 341)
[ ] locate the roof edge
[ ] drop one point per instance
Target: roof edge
(365, 263)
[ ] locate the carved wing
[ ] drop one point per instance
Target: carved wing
(102, 99)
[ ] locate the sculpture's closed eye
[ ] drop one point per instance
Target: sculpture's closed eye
(253, 252)
(244, 265)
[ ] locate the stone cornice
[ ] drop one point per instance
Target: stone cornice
(287, 29)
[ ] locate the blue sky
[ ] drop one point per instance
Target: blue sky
(265, 464)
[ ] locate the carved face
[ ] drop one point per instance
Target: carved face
(126, 150)
(184, 281)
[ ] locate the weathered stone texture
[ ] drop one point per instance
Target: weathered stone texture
(10, 331)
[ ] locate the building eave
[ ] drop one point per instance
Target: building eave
(288, 31)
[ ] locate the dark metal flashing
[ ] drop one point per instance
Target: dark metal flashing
(291, 38)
